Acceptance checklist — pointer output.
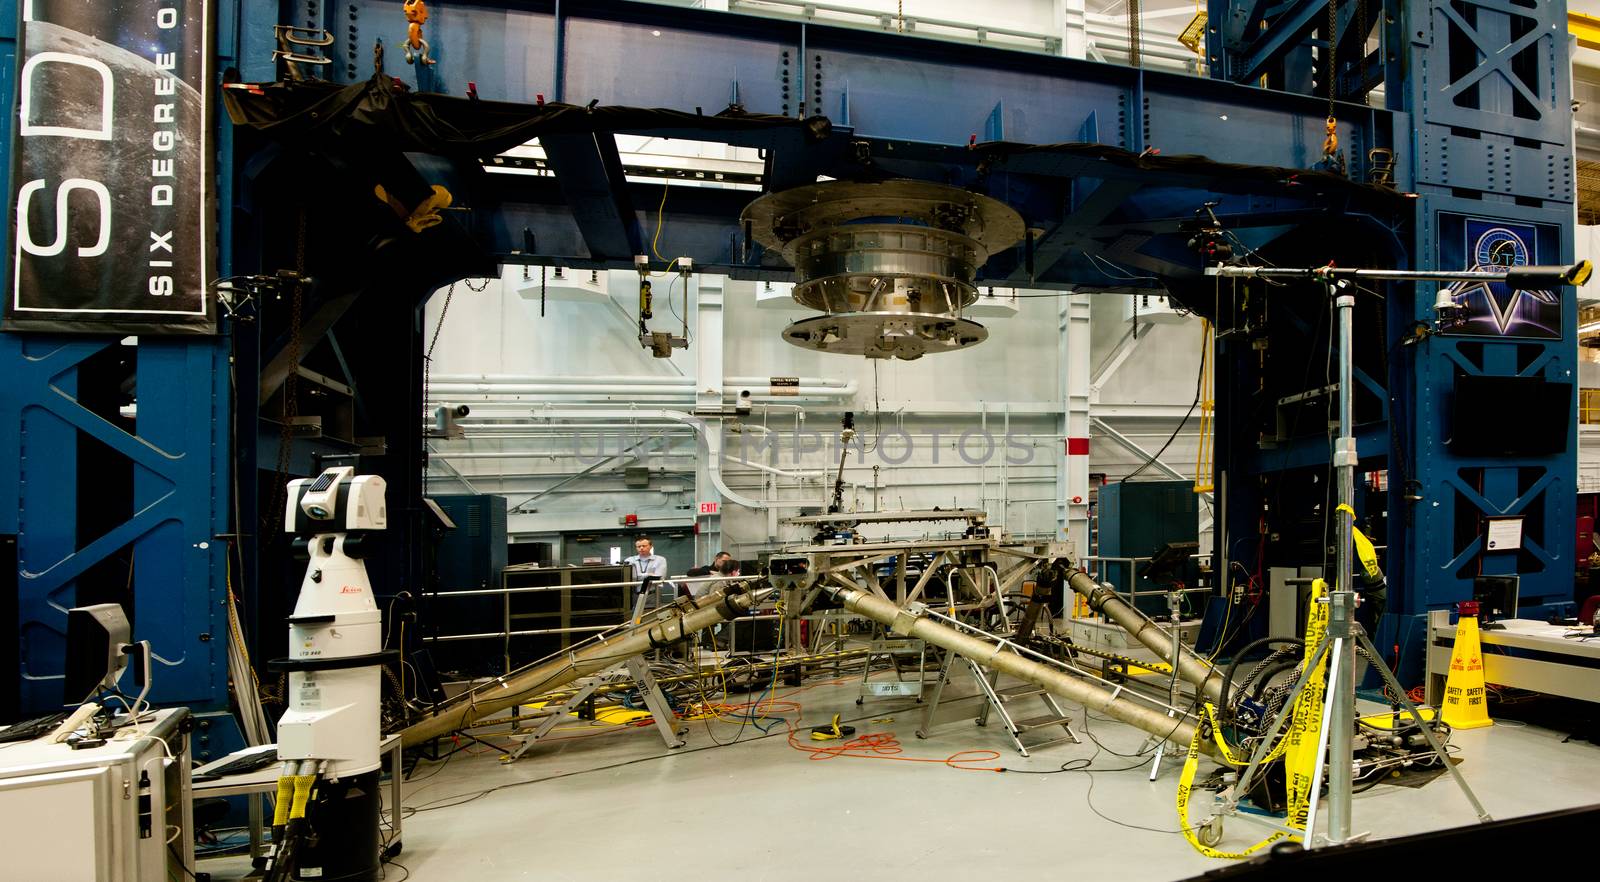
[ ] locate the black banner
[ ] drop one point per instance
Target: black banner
(110, 184)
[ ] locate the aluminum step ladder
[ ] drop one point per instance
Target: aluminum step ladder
(892, 647)
(999, 701)
(635, 669)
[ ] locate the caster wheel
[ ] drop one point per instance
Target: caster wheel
(860, 702)
(981, 722)
(1211, 833)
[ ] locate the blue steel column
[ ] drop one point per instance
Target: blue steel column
(180, 467)
(1493, 142)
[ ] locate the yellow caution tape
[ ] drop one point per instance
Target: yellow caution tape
(1386, 721)
(1150, 666)
(1299, 744)
(1191, 762)
(1300, 763)
(1226, 750)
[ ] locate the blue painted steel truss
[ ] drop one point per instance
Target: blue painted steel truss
(1482, 87)
(109, 505)
(1493, 140)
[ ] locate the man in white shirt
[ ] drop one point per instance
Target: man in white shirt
(647, 563)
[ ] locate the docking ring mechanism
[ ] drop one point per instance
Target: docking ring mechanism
(892, 264)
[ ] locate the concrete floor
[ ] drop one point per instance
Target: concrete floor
(622, 806)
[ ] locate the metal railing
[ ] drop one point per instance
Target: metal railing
(1589, 407)
(506, 633)
(1100, 568)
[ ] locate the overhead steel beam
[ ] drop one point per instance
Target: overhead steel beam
(1125, 347)
(312, 330)
(589, 171)
(1087, 215)
(1282, 35)
(1133, 447)
(1586, 28)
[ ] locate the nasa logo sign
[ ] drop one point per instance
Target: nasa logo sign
(110, 191)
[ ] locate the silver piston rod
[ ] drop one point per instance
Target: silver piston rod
(989, 655)
(1105, 601)
(605, 652)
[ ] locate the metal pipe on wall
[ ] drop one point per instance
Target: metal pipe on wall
(990, 656)
(490, 380)
(436, 389)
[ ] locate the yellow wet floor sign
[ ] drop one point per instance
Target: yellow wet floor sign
(1465, 705)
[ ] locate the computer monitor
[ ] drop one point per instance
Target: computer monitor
(95, 638)
(1496, 597)
(1170, 563)
(1532, 416)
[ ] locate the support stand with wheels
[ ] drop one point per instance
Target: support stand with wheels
(1344, 634)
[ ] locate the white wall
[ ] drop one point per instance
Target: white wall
(518, 446)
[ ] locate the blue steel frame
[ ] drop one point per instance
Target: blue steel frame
(910, 103)
(1488, 89)
(1483, 87)
(906, 102)
(179, 456)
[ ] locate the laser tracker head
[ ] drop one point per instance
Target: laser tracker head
(336, 501)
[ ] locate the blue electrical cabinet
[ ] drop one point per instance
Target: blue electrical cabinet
(1137, 519)
(473, 555)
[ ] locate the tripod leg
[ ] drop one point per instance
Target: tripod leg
(1315, 795)
(1427, 731)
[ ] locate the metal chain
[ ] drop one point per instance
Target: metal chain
(900, 13)
(427, 358)
(1333, 42)
(1135, 34)
(1361, 32)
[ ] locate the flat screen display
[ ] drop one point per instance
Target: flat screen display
(1510, 416)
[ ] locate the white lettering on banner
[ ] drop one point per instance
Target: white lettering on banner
(30, 129)
(71, 96)
(59, 244)
(163, 113)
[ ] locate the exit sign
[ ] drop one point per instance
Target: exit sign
(708, 508)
